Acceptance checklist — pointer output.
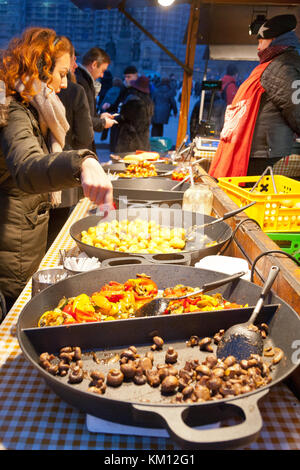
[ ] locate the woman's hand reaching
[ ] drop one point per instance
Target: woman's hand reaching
(96, 185)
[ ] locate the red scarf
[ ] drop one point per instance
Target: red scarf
(233, 152)
(270, 52)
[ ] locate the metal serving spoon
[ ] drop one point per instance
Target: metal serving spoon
(180, 183)
(191, 233)
(158, 305)
(178, 151)
(242, 340)
(171, 171)
(167, 173)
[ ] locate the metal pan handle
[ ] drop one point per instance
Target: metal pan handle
(175, 258)
(221, 282)
(228, 437)
(237, 211)
(123, 260)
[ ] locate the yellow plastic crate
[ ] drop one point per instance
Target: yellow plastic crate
(274, 212)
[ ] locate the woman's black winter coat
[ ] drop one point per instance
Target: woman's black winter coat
(134, 122)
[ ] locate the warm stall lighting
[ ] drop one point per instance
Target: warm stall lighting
(165, 3)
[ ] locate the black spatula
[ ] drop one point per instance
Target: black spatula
(243, 339)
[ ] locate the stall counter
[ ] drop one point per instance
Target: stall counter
(33, 417)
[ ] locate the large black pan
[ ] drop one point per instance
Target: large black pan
(220, 232)
(122, 167)
(142, 405)
(162, 164)
(149, 190)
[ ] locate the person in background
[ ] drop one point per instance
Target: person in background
(94, 64)
(135, 118)
(164, 103)
(130, 75)
(106, 84)
(79, 136)
(173, 83)
(110, 100)
(264, 117)
(111, 105)
(229, 86)
(34, 167)
(228, 92)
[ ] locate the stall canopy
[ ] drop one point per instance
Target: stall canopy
(222, 25)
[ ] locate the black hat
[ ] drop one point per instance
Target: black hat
(276, 26)
(130, 69)
(141, 84)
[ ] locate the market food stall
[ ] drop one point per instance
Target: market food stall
(39, 417)
(44, 368)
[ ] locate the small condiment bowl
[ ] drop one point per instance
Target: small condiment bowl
(45, 278)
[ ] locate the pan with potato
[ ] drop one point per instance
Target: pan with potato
(137, 236)
(149, 233)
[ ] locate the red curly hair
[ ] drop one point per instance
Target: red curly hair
(31, 57)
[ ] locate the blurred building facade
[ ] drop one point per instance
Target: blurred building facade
(124, 42)
(108, 29)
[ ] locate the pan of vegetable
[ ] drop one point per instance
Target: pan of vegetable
(142, 169)
(149, 232)
(161, 371)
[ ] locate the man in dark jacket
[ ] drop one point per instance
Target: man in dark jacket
(130, 74)
(79, 136)
(94, 64)
(135, 118)
(164, 103)
(81, 133)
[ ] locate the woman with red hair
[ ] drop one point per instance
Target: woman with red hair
(33, 166)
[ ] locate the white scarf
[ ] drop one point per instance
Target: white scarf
(52, 118)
